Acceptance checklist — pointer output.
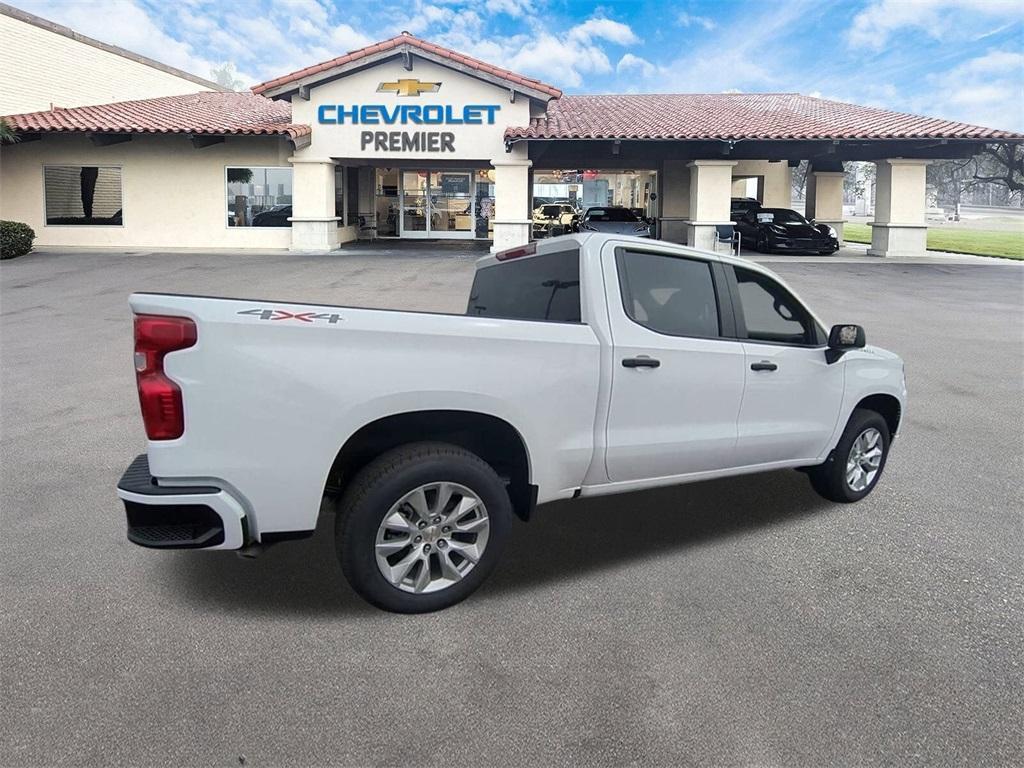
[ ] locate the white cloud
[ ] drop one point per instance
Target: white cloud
(691, 20)
(940, 19)
(345, 38)
(514, 8)
(127, 24)
(630, 63)
(987, 90)
(604, 29)
(563, 59)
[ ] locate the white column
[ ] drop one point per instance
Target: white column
(825, 199)
(314, 225)
(675, 200)
(512, 220)
(710, 190)
(899, 228)
(778, 185)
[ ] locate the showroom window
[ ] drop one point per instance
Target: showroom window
(259, 197)
(83, 195)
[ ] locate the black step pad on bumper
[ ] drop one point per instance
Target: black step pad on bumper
(137, 479)
(168, 526)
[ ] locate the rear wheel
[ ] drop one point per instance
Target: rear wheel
(421, 527)
(855, 466)
(761, 244)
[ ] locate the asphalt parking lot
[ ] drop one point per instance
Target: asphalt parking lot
(740, 622)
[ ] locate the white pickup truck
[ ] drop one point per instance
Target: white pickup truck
(584, 365)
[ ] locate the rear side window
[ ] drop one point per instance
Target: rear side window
(668, 294)
(543, 287)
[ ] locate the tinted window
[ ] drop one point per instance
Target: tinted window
(668, 294)
(550, 211)
(539, 288)
(610, 214)
(771, 313)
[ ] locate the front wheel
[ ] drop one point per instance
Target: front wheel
(855, 466)
(421, 527)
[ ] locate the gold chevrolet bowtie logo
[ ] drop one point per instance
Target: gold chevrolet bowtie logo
(410, 87)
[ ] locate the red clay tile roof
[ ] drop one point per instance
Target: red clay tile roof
(197, 113)
(415, 42)
(726, 116)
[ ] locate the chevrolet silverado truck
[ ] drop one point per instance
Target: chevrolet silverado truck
(583, 365)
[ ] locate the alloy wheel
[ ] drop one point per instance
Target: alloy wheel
(432, 537)
(864, 460)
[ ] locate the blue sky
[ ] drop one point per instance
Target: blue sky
(959, 59)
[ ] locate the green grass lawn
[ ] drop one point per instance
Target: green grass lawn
(1009, 245)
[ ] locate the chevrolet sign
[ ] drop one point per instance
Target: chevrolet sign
(404, 114)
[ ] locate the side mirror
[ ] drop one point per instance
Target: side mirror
(843, 338)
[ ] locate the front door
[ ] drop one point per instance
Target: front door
(437, 204)
(677, 381)
(793, 395)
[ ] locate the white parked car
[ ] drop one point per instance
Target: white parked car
(614, 220)
(584, 365)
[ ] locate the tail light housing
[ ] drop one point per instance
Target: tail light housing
(159, 397)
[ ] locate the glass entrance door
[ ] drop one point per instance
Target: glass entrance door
(438, 204)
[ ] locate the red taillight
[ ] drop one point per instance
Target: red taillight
(159, 397)
(515, 253)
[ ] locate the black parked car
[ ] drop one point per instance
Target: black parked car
(780, 229)
(273, 217)
(741, 205)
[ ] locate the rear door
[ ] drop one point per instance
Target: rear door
(677, 380)
(793, 395)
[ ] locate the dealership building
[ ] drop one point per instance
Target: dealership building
(407, 139)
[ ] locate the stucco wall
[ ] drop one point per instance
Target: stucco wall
(774, 181)
(173, 195)
(43, 68)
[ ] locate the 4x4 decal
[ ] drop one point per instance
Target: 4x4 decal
(284, 314)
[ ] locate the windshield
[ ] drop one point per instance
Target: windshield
(779, 216)
(551, 211)
(610, 214)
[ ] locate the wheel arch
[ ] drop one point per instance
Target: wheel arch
(491, 438)
(887, 406)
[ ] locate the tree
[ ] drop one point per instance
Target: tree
(7, 133)
(798, 179)
(997, 165)
(1001, 164)
(224, 76)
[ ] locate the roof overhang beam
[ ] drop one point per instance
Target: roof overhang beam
(107, 139)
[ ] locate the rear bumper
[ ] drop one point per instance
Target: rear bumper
(179, 516)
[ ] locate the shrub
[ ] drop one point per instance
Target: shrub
(15, 239)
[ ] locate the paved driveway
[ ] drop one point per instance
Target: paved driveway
(739, 622)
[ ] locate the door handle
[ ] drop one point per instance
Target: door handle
(640, 362)
(764, 365)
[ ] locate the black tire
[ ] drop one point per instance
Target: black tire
(829, 479)
(380, 485)
(761, 244)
